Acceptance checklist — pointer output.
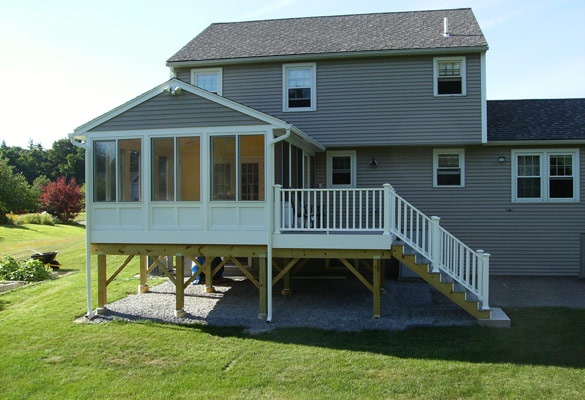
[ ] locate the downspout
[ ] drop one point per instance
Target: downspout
(89, 314)
(271, 222)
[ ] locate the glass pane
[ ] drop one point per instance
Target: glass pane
(188, 169)
(252, 167)
(561, 188)
(207, 81)
(450, 68)
(528, 188)
(299, 77)
(448, 160)
(163, 169)
(529, 165)
(561, 165)
(129, 169)
(223, 168)
(341, 178)
(104, 169)
(299, 98)
(449, 177)
(449, 86)
(341, 170)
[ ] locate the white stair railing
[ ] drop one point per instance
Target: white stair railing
(382, 210)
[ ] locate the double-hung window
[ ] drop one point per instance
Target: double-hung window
(449, 76)
(341, 168)
(449, 168)
(116, 170)
(299, 87)
(545, 175)
(209, 79)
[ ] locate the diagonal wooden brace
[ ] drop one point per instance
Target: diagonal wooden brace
(166, 271)
(285, 270)
(153, 265)
(245, 272)
(357, 274)
(128, 259)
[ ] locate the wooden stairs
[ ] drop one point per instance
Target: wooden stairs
(440, 281)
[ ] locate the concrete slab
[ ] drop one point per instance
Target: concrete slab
(523, 291)
(499, 319)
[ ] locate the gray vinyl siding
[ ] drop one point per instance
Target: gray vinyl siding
(369, 101)
(181, 111)
(524, 239)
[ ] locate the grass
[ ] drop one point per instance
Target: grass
(43, 354)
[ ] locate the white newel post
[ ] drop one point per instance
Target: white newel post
(277, 215)
(484, 274)
(388, 214)
(435, 242)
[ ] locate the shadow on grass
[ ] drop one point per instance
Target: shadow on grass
(539, 336)
(15, 227)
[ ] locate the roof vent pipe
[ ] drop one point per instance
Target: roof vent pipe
(446, 27)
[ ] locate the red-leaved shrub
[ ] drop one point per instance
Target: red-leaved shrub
(62, 199)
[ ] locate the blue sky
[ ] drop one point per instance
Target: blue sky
(63, 63)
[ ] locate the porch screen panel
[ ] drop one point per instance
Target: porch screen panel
(104, 170)
(163, 169)
(252, 167)
(189, 170)
(223, 168)
(129, 166)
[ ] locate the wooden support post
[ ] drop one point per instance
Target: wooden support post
(179, 285)
(208, 275)
(286, 281)
(263, 278)
(143, 287)
(102, 287)
(376, 268)
(382, 277)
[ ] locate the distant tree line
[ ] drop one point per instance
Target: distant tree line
(37, 179)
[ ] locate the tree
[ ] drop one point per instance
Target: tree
(67, 160)
(16, 194)
(62, 199)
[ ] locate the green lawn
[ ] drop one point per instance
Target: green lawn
(43, 354)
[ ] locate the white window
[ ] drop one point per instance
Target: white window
(545, 175)
(299, 92)
(449, 76)
(341, 168)
(209, 79)
(448, 168)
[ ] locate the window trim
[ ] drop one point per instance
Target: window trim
(218, 71)
(285, 68)
(545, 175)
(353, 161)
(461, 153)
(436, 61)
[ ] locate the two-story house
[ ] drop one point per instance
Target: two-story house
(342, 137)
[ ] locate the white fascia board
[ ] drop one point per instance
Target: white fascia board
(533, 142)
(320, 56)
(318, 146)
(484, 135)
(278, 123)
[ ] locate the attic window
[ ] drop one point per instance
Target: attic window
(299, 87)
(449, 76)
(209, 79)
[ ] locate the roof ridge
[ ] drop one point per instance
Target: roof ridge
(340, 15)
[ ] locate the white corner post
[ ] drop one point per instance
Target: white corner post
(388, 214)
(277, 208)
(435, 242)
(484, 279)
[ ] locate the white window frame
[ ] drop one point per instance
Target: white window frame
(436, 61)
(353, 166)
(218, 71)
(461, 154)
(545, 174)
(285, 69)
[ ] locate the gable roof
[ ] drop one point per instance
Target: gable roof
(548, 119)
(414, 30)
(174, 83)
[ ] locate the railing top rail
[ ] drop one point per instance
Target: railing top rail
(331, 189)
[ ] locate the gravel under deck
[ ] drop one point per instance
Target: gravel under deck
(335, 304)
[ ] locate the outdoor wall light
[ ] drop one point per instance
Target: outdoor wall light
(373, 163)
(501, 158)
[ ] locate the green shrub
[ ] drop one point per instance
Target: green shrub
(43, 218)
(29, 270)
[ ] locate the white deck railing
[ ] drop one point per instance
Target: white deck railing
(383, 211)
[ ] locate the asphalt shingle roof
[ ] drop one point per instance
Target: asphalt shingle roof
(551, 119)
(334, 34)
